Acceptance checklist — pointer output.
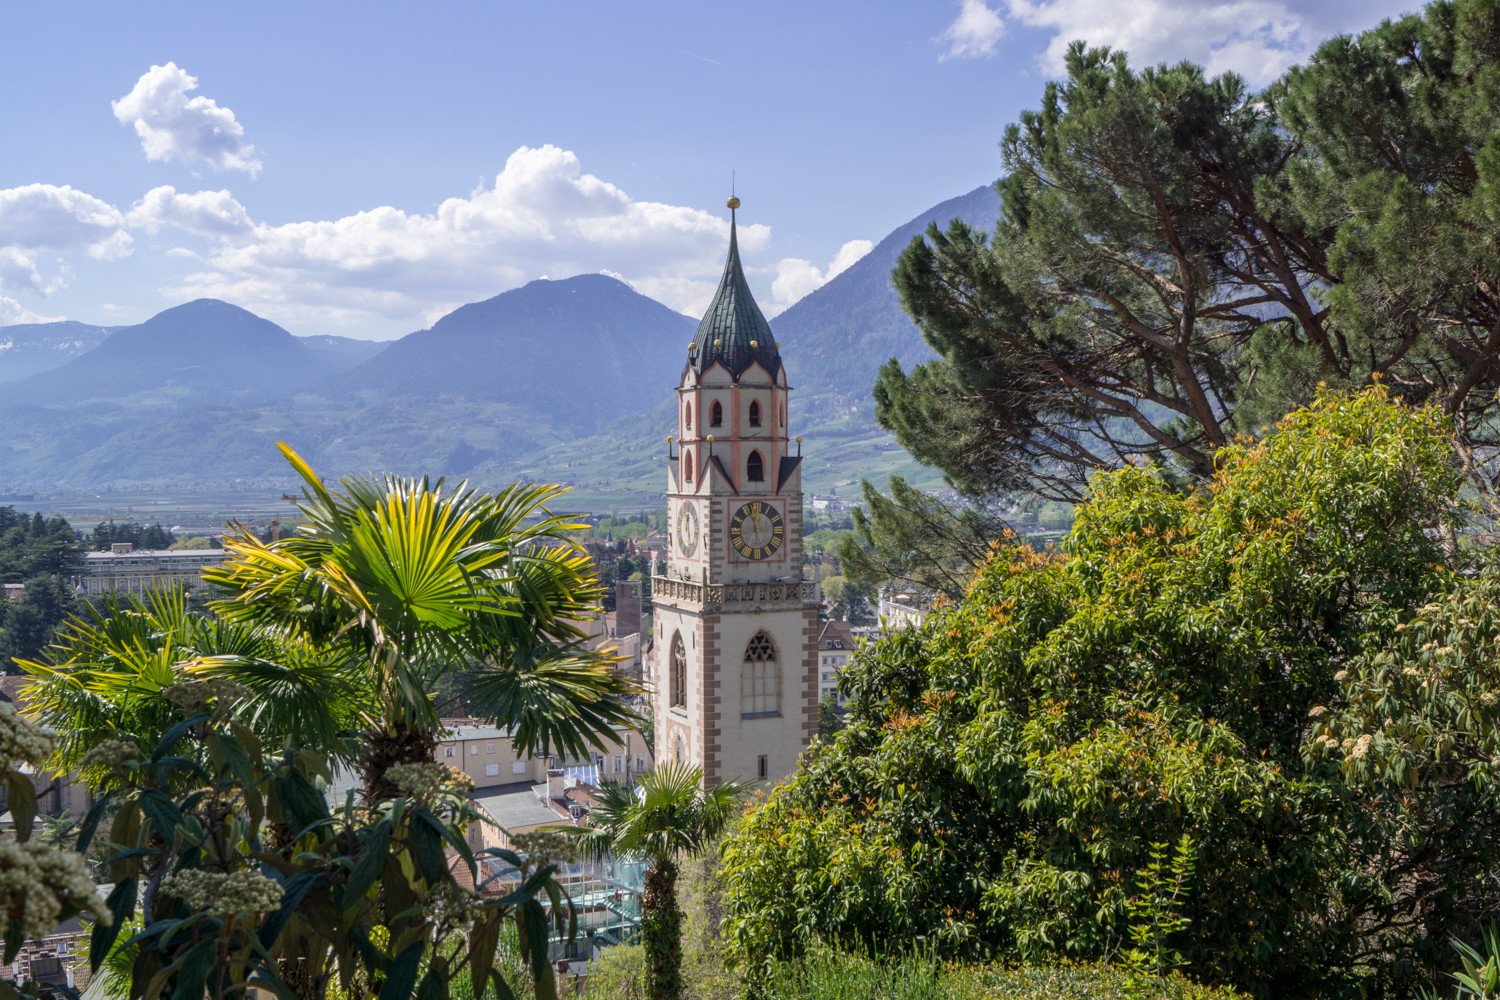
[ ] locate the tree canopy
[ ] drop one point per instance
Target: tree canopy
(1230, 665)
(1180, 259)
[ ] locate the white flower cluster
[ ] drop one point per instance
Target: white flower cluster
(20, 741)
(449, 904)
(423, 781)
(1357, 748)
(1341, 676)
(193, 696)
(110, 754)
(37, 881)
(1317, 710)
(1488, 699)
(223, 896)
(542, 848)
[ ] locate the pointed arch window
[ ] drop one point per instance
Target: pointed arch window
(760, 679)
(687, 465)
(688, 417)
(718, 415)
(754, 414)
(678, 673)
(755, 468)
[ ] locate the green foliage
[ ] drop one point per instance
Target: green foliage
(34, 545)
(1006, 765)
(108, 675)
(1155, 914)
(829, 722)
(29, 625)
(415, 581)
(1180, 258)
(910, 538)
(141, 535)
(672, 817)
(247, 875)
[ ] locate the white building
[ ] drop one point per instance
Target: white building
(125, 569)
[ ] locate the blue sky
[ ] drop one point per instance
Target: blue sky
(363, 169)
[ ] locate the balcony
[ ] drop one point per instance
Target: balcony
(733, 596)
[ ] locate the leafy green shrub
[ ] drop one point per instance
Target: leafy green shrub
(1007, 766)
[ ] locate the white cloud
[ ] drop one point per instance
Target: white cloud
(46, 217)
(18, 270)
(543, 215)
(12, 311)
(192, 129)
(973, 33)
(205, 213)
(1256, 38)
(796, 278)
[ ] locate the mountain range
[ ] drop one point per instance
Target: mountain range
(563, 380)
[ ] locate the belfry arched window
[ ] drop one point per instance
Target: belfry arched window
(687, 465)
(687, 420)
(760, 679)
(678, 673)
(755, 469)
(718, 414)
(754, 414)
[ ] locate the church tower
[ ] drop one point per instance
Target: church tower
(736, 627)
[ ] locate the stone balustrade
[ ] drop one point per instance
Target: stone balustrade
(797, 592)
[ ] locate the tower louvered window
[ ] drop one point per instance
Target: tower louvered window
(678, 680)
(755, 469)
(760, 684)
(718, 415)
(754, 414)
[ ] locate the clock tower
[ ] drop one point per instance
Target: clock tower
(736, 657)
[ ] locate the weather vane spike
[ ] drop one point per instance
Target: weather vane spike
(733, 202)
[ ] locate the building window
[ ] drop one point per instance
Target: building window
(678, 685)
(447, 751)
(754, 469)
(640, 763)
(718, 415)
(473, 749)
(489, 747)
(679, 749)
(619, 762)
(760, 681)
(754, 414)
(518, 767)
(492, 770)
(762, 767)
(687, 420)
(687, 465)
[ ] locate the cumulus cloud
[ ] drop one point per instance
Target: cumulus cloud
(18, 270)
(973, 33)
(543, 215)
(46, 217)
(796, 278)
(1256, 38)
(195, 130)
(204, 213)
(12, 311)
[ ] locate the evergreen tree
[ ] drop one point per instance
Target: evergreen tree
(1180, 259)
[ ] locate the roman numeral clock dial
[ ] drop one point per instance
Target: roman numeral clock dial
(756, 530)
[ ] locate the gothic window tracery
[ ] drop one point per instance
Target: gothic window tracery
(760, 679)
(755, 468)
(678, 681)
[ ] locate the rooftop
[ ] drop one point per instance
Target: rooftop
(734, 331)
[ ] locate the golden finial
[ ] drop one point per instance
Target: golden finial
(754, 344)
(670, 439)
(710, 439)
(733, 203)
(718, 341)
(778, 345)
(799, 440)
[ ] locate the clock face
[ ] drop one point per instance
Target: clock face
(756, 530)
(687, 529)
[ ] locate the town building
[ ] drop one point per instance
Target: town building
(835, 646)
(735, 626)
(124, 569)
(905, 606)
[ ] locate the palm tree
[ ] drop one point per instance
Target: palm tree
(667, 816)
(417, 580)
(104, 674)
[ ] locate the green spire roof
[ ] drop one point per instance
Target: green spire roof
(733, 322)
